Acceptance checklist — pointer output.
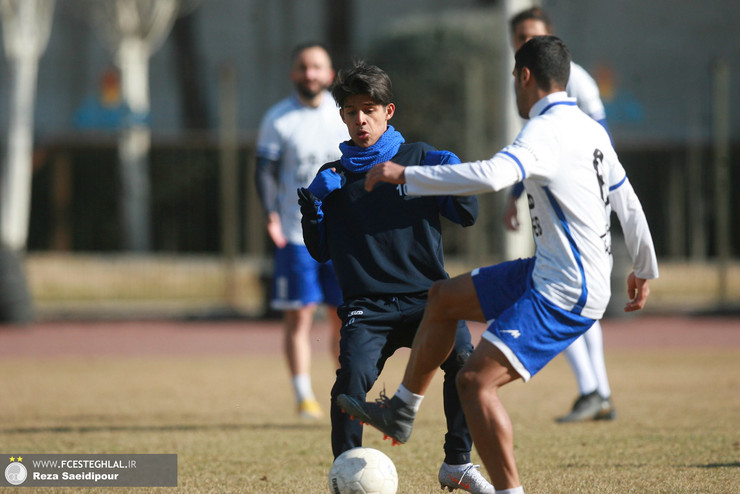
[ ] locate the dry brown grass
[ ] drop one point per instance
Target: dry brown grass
(232, 423)
(78, 284)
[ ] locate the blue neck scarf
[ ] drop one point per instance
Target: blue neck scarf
(360, 160)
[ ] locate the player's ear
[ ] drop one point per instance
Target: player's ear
(390, 110)
(526, 75)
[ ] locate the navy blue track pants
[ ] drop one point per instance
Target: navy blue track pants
(373, 328)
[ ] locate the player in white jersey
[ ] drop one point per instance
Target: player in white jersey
(534, 307)
(581, 86)
(586, 354)
(296, 137)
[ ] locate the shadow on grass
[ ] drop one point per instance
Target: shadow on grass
(735, 464)
(160, 428)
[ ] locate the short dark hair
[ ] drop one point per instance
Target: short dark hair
(362, 78)
(533, 13)
(547, 58)
(300, 48)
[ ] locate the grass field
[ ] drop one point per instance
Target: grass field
(230, 418)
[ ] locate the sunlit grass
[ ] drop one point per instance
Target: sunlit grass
(232, 422)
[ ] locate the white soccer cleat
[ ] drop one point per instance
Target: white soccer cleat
(464, 477)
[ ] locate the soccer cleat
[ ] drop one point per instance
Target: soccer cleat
(310, 409)
(391, 416)
(586, 407)
(464, 477)
(607, 412)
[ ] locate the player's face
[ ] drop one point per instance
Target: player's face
(522, 102)
(312, 72)
(365, 119)
(527, 30)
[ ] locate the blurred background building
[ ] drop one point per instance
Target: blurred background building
(668, 74)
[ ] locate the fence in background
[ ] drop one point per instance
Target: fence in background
(75, 261)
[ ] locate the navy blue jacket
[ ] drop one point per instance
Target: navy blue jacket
(382, 242)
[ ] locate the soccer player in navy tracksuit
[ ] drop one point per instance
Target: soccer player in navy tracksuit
(386, 248)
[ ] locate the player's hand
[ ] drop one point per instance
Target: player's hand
(638, 290)
(387, 171)
(275, 230)
(326, 182)
(511, 219)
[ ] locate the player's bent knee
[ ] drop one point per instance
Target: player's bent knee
(468, 384)
(436, 292)
(439, 298)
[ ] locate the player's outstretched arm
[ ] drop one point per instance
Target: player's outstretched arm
(387, 171)
(638, 290)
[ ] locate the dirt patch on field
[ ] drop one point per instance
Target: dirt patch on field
(234, 337)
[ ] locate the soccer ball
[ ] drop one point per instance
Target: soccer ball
(363, 471)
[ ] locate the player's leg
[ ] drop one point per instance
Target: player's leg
(364, 334)
(519, 343)
(297, 293)
(580, 364)
(449, 302)
(458, 442)
(477, 296)
(478, 383)
(588, 403)
(595, 342)
(297, 345)
(457, 471)
(586, 358)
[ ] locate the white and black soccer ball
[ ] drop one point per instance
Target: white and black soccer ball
(363, 471)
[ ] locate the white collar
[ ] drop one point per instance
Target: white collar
(553, 98)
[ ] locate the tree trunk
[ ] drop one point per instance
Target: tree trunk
(133, 146)
(15, 182)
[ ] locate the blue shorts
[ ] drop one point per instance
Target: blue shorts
(529, 329)
(300, 280)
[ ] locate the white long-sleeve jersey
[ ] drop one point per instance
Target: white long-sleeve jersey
(573, 180)
(584, 89)
(301, 139)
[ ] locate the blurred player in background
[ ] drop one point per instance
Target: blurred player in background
(387, 250)
(538, 306)
(586, 354)
(297, 136)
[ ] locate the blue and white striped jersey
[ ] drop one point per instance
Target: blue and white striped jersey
(573, 180)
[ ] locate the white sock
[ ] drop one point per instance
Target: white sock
(595, 343)
(513, 490)
(580, 362)
(411, 399)
(302, 387)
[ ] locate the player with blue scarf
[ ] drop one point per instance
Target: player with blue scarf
(386, 248)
